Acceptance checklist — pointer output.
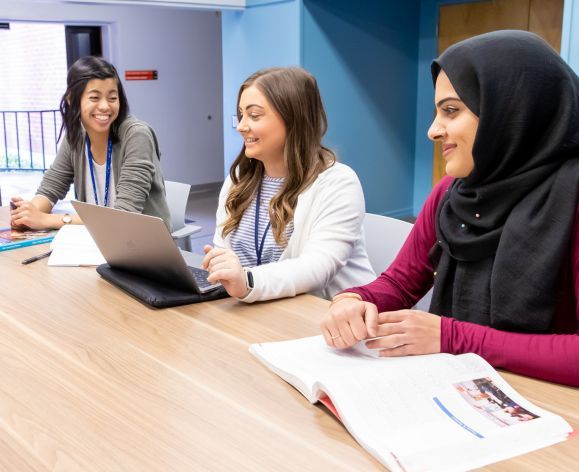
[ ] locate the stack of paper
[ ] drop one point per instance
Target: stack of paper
(73, 246)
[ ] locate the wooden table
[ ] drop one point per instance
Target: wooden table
(93, 380)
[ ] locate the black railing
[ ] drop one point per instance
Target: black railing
(28, 139)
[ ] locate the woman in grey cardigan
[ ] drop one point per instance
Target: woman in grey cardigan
(111, 157)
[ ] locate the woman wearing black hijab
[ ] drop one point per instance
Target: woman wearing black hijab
(498, 238)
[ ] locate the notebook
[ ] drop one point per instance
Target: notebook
(73, 246)
(142, 245)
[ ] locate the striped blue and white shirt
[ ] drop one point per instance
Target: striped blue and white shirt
(242, 238)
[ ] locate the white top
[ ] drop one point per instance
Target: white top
(326, 252)
(242, 238)
(100, 171)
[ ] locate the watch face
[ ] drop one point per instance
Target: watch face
(248, 279)
(66, 219)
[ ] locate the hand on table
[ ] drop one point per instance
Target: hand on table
(406, 333)
(348, 321)
(26, 215)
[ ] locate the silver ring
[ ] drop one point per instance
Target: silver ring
(335, 337)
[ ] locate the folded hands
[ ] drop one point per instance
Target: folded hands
(397, 333)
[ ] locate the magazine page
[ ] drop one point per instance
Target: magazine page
(278, 358)
(11, 238)
(438, 412)
(299, 361)
(434, 412)
(15, 238)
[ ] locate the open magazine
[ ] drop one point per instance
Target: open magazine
(13, 238)
(437, 412)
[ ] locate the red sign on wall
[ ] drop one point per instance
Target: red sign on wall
(140, 75)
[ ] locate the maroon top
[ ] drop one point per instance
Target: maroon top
(553, 357)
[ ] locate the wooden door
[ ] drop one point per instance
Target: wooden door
(464, 20)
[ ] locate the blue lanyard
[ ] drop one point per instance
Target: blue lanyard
(108, 170)
(259, 247)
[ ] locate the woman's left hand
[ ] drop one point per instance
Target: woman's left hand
(223, 266)
(407, 333)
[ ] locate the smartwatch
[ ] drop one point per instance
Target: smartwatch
(66, 219)
(248, 280)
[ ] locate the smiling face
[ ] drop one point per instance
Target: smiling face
(263, 131)
(455, 126)
(99, 105)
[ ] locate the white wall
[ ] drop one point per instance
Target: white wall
(184, 45)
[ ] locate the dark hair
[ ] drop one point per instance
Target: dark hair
(80, 73)
(293, 93)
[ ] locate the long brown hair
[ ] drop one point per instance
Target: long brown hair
(294, 94)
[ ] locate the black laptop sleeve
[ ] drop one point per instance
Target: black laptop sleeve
(153, 293)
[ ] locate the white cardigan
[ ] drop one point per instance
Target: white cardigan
(326, 251)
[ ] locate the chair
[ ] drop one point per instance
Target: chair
(384, 238)
(177, 196)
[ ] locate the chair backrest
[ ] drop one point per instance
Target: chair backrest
(384, 238)
(177, 196)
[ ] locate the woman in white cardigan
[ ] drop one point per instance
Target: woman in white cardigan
(289, 219)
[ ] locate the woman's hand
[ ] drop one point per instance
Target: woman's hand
(349, 321)
(223, 266)
(27, 215)
(406, 333)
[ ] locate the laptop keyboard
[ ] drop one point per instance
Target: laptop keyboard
(200, 276)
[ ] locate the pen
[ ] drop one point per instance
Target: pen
(36, 258)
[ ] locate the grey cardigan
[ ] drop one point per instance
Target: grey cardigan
(139, 183)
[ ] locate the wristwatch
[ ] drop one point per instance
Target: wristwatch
(66, 219)
(248, 280)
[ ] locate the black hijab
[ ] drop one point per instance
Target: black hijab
(505, 231)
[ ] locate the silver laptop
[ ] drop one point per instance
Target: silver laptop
(142, 245)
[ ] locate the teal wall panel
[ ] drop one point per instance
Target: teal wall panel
(255, 38)
(365, 61)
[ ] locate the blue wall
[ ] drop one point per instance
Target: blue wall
(424, 102)
(570, 34)
(365, 63)
(373, 67)
(254, 3)
(257, 37)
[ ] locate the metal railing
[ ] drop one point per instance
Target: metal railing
(28, 139)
